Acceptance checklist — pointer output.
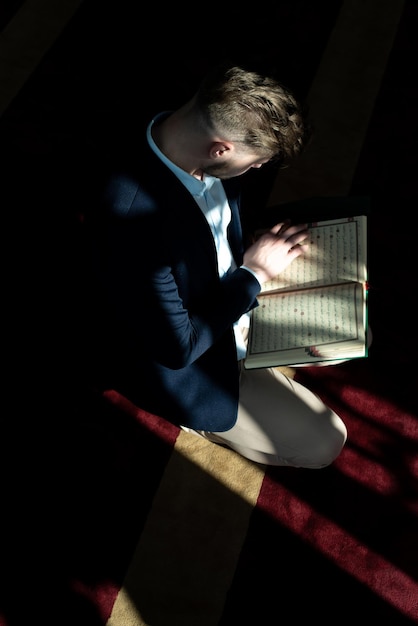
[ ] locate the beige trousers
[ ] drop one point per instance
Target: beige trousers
(281, 422)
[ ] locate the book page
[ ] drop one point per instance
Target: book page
(308, 319)
(336, 253)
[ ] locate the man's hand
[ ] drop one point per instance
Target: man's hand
(275, 249)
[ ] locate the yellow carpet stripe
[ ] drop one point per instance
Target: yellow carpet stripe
(26, 39)
(341, 100)
(187, 554)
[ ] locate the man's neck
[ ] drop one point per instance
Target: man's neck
(172, 137)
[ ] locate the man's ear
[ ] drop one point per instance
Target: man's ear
(220, 149)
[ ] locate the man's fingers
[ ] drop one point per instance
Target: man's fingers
(286, 226)
(280, 228)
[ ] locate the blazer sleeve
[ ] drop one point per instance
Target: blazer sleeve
(158, 268)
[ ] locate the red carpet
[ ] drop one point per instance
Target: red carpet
(102, 503)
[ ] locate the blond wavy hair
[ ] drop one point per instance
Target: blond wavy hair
(255, 109)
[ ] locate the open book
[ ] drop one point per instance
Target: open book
(316, 310)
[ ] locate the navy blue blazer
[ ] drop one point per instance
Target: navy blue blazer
(167, 318)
